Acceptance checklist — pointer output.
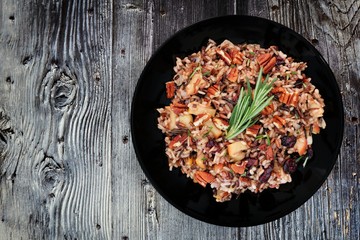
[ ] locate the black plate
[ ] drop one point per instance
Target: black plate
(249, 209)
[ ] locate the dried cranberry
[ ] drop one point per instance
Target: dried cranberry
(210, 143)
(213, 146)
(298, 83)
(288, 141)
(251, 162)
(309, 153)
(290, 166)
(284, 108)
(279, 61)
(266, 175)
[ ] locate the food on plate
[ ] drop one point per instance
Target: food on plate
(241, 117)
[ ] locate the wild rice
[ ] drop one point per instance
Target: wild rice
(204, 91)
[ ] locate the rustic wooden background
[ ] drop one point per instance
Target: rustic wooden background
(68, 71)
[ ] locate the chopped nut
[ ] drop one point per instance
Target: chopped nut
(170, 89)
(221, 123)
(224, 56)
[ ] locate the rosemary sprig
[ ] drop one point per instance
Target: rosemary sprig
(248, 107)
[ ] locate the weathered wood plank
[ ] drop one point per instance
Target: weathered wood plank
(55, 100)
(132, 201)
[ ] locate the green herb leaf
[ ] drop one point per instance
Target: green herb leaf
(305, 161)
(195, 70)
(259, 137)
(206, 74)
(296, 115)
(243, 175)
(268, 142)
(249, 106)
(299, 159)
(294, 72)
(207, 133)
(203, 158)
(252, 53)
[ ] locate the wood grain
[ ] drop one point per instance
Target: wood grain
(56, 102)
(67, 76)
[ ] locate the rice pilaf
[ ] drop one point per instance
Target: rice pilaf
(204, 92)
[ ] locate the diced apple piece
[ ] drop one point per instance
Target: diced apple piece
(186, 119)
(197, 108)
(322, 123)
(200, 160)
(236, 150)
(194, 84)
(316, 110)
(301, 145)
(315, 128)
(214, 131)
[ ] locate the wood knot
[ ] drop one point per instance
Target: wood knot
(63, 92)
(353, 120)
(96, 76)
(151, 211)
(125, 139)
(122, 52)
(144, 182)
(275, 8)
(26, 60)
(9, 80)
(5, 132)
(90, 11)
(59, 88)
(51, 175)
(132, 7)
(314, 41)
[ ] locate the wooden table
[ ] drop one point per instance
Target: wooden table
(67, 75)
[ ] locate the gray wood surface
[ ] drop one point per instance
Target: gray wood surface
(68, 71)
